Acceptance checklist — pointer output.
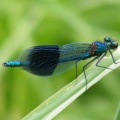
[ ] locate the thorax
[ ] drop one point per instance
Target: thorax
(97, 48)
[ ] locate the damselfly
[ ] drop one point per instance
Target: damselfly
(53, 59)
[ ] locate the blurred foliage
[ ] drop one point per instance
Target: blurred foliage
(28, 23)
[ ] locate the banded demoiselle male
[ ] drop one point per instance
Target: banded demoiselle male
(53, 59)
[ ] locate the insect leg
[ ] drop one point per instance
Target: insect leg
(86, 66)
(100, 60)
(112, 56)
(76, 69)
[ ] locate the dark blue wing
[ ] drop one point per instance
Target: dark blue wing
(52, 59)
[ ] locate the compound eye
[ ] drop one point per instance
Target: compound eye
(106, 39)
(114, 45)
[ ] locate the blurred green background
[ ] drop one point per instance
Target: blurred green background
(25, 23)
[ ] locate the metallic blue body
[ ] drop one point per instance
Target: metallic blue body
(13, 63)
(101, 48)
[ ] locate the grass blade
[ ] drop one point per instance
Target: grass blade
(117, 115)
